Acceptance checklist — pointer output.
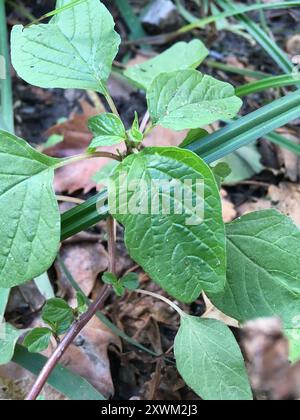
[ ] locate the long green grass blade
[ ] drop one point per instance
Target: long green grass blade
(231, 69)
(238, 10)
(268, 83)
(131, 20)
(283, 142)
(6, 102)
(62, 379)
(268, 44)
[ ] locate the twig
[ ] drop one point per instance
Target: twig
(83, 320)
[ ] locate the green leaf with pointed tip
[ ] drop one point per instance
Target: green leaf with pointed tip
(58, 314)
(30, 219)
(263, 276)
(74, 50)
(134, 134)
(181, 56)
(179, 243)
(189, 99)
(38, 340)
(107, 129)
(8, 339)
(210, 360)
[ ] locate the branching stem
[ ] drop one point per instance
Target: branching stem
(81, 322)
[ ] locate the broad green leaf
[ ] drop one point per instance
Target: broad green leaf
(210, 360)
(30, 219)
(193, 135)
(38, 340)
(179, 243)
(244, 163)
(189, 99)
(107, 129)
(131, 281)
(181, 56)
(263, 278)
(74, 50)
(58, 314)
(8, 339)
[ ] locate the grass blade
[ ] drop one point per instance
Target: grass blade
(131, 20)
(284, 142)
(231, 69)
(268, 44)
(268, 83)
(63, 380)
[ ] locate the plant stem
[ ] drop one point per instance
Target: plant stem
(111, 235)
(83, 156)
(164, 299)
(83, 320)
(112, 105)
(66, 342)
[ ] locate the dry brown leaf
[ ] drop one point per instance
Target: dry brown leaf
(289, 159)
(229, 211)
(77, 137)
(293, 45)
(163, 137)
(286, 198)
(267, 351)
(85, 261)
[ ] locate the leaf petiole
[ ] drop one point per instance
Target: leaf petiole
(164, 299)
(83, 156)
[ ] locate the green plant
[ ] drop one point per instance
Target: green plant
(186, 249)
